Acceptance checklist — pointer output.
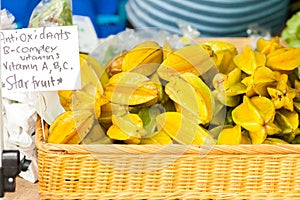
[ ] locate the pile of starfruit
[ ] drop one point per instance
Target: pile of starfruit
(199, 94)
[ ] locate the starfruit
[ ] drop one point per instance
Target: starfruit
(162, 97)
(99, 69)
(204, 91)
(127, 128)
(183, 130)
(288, 121)
(249, 60)
(192, 97)
(130, 88)
(88, 74)
(89, 67)
(144, 58)
(71, 127)
(284, 59)
(230, 101)
(297, 107)
(148, 116)
(167, 49)
(230, 83)
(282, 96)
(193, 59)
(225, 53)
(65, 98)
(259, 81)
(267, 46)
(210, 52)
(114, 66)
(159, 137)
(228, 87)
(270, 140)
(256, 114)
(230, 135)
(88, 98)
(219, 114)
(109, 109)
(97, 135)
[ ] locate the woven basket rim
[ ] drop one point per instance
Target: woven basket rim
(172, 149)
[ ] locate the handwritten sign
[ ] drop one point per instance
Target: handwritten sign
(40, 59)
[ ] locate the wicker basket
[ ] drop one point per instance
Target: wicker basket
(172, 172)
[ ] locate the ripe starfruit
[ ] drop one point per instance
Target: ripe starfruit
(114, 66)
(93, 76)
(88, 73)
(270, 140)
(182, 129)
(259, 81)
(282, 96)
(267, 46)
(249, 60)
(97, 135)
(192, 97)
(256, 114)
(144, 58)
(225, 53)
(230, 135)
(284, 59)
(167, 49)
(99, 69)
(130, 88)
(65, 98)
(71, 127)
(192, 58)
(288, 122)
(127, 128)
(159, 137)
(109, 109)
(229, 85)
(88, 98)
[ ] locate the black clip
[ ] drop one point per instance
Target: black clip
(11, 168)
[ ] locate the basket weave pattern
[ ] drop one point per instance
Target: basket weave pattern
(146, 172)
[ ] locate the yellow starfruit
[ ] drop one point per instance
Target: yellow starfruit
(130, 88)
(249, 60)
(256, 114)
(182, 129)
(144, 58)
(192, 97)
(284, 59)
(267, 46)
(192, 58)
(225, 53)
(127, 128)
(282, 96)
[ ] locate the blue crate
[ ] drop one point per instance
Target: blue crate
(106, 6)
(109, 24)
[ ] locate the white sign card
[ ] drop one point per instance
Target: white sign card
(40, 59)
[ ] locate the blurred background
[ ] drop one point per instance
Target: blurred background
(213, 18)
